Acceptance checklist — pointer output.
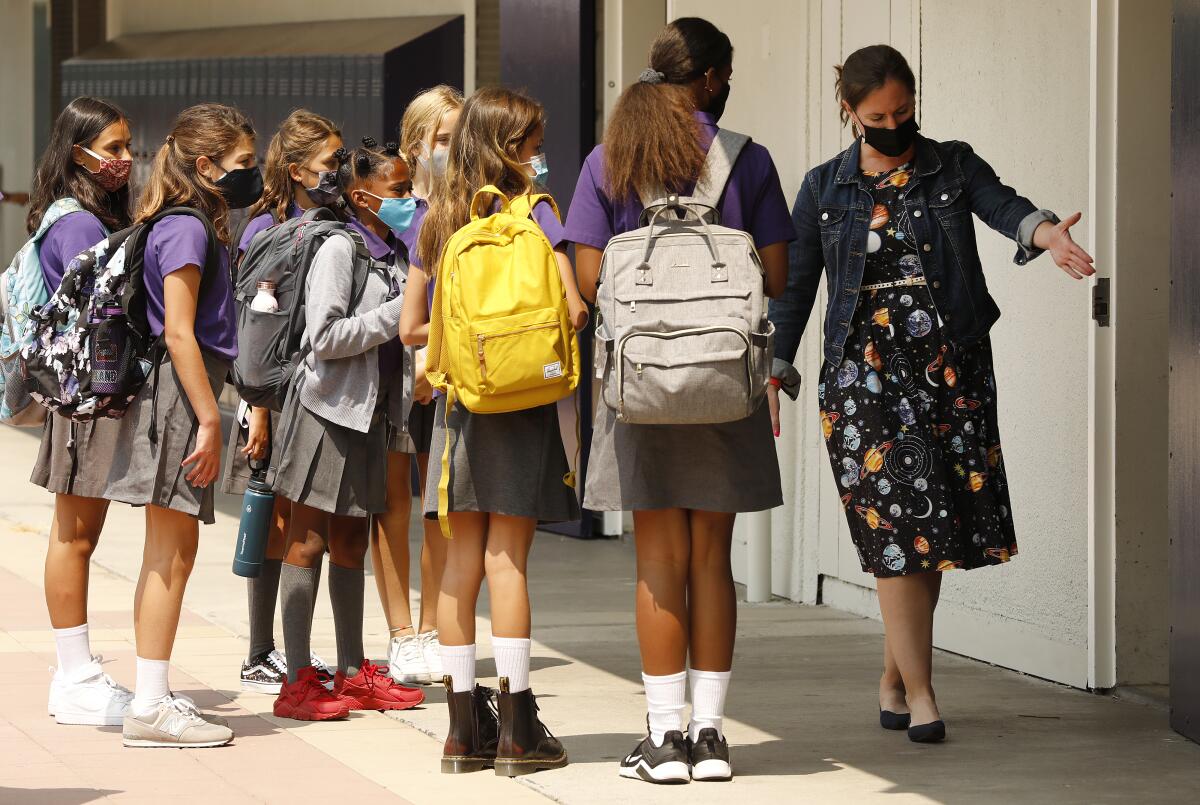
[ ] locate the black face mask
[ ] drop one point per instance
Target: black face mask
(241, 187)
(716, 108)
(327, 192)
(892, 142)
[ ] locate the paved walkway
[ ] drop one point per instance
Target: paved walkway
(801, 711)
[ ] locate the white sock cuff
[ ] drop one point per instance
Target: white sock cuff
(459, 663)
(511, 642)
(72, 631)
(669, 679)
(457, 651)
(716, 676)
(512, 661)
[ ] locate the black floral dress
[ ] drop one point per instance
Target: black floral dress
(911, 428)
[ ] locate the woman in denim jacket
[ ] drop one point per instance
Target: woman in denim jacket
(907, 392)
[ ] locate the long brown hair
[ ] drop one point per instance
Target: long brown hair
(59, 176)
(205, 130)
(297, 141)
(483, 151)
(652, 140)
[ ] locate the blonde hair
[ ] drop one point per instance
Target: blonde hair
(483, 151)
(423, 115)
(298, 139)
(205, 130)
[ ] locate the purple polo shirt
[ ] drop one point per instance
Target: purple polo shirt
(64, 240)
(409, 236)
(262, 222)
(752, 200)
(391, 354)
(177, 241)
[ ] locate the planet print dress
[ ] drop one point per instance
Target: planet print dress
(910, 425)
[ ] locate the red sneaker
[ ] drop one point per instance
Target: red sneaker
(307, 700)
(372, 689)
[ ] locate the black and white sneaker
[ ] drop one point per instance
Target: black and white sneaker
(667, 764)
(709, 757)
(264, 673)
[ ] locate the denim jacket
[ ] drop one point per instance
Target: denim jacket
(832, 217)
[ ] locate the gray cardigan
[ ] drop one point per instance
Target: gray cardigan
(340, 380)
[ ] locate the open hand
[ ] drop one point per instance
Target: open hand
(1067, 254)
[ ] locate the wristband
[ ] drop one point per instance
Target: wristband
(775, 381)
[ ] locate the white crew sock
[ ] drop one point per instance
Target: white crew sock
(512, 661)
(74, 650)
(459, 663)
(665, 697)
(708, 700)
(152, 687)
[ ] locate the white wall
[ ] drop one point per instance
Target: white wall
(140, 16)
(1014, 80)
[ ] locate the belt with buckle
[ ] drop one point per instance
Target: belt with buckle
(897, 284)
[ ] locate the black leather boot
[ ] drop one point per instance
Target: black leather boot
(525, 744)
(471, 741)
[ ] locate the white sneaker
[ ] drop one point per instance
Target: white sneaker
(406, 661)
(176, 723)
(433, 655)
(88, 696)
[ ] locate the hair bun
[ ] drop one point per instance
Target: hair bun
(369, 142)
(341, 154)
(392, 149)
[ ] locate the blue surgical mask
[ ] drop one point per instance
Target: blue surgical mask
(434, 162)
(541, 170)
(396, 213)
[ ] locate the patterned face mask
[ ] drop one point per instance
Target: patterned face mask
(327, 192)
(112, 174)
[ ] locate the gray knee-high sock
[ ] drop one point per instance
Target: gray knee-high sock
(262, 593)
(296, 598)
(346, 596)
(316, 579)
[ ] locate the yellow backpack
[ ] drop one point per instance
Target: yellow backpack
(500, 336)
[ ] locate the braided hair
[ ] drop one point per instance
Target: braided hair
(365, 162)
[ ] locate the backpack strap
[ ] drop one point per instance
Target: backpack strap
(59, 208)
(522, 206)
(718, 166)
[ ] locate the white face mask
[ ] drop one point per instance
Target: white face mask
(436, 162)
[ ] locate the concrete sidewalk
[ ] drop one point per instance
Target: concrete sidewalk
(801, 712)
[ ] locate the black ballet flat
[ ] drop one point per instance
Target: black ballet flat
(931, 733)
(894, 721)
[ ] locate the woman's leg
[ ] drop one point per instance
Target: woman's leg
(348, 540)
(298, 580)
(74, 533)
(712, 611)
(891, 684)
(664, 546)
(433, 560)
(505, 560)
(389, 547)
(167, 560)
(458, 596)
(907, 604)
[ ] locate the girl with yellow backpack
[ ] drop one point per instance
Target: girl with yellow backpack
(501, 328)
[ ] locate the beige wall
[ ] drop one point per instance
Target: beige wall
(16, 123)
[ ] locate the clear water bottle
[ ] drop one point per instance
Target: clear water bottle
(108, 350)
(264, 301)
(258, 504)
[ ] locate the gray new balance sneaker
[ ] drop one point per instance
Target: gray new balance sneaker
(176, 723)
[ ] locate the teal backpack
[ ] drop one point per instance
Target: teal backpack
(23, 289)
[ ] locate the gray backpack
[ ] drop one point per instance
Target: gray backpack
(682, 336)
(269, 343)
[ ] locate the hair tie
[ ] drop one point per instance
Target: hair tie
(170, 139)
(369, 142)
(652, 76)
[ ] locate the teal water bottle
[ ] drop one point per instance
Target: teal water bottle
(258, 504)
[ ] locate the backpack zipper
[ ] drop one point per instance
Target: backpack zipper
(483, 338)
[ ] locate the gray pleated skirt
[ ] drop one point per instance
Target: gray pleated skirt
(510, 464)
(236, 474)
(74, 457)
(328, 466)
(730, 467)
(151, 473)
